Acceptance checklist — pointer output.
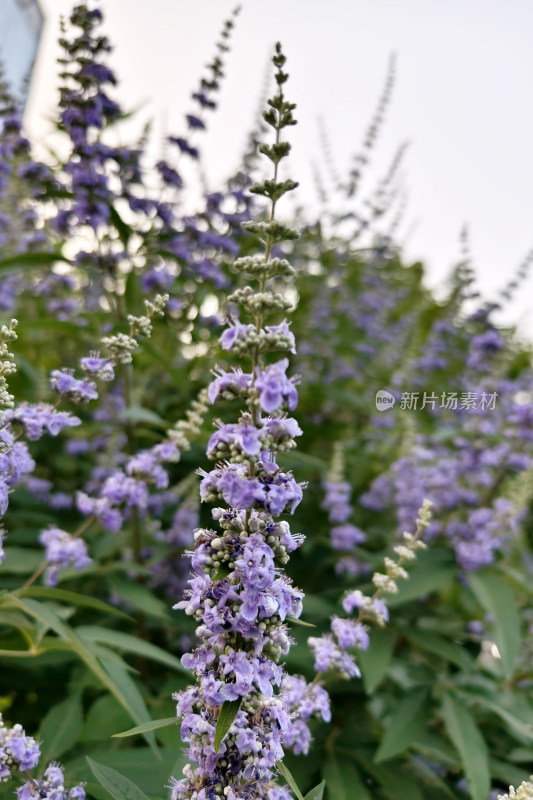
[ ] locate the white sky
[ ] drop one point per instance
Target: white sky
(462, 98)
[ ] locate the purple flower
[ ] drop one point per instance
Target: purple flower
(18, 752)
(184, 146)
(275, 388)
(238, 596)
(36, 419)
(346, 536)
(110, 518)
(195, 122)
(63, 550)
(244, 436)
(50, 786)
(79, 391)
(350, 633)
(256, 564)
(230, 384)
(235, 334)
(283, 334)
(329, 656)
(119, 489)
(101, 368)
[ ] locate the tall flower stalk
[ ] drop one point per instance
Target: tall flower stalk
(234, 719)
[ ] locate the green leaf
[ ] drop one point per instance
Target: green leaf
(375, 661)
(396, 783)
(32, 260)
(470, 745)
(49, 618)
(343, 781)
(425, 577)
(285, 771)
(429, 777)
(104, 717)
(21, 560)
(294, 621)
(521, 728)
(61, 728)
(139, 414)
(403, 725)
(153, 725)
(227, 714)
(73, 598)
(131, 644)
(507, 773)
(221, 573)
(118, 786)
(317, 793)
(496, 596)
(137, 763)
(118, 672)
(124, 230)
(139, 597)
(439, 646)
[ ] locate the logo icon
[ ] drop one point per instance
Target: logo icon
(384, 400)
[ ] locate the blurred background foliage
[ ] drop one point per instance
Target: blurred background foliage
(444, 706)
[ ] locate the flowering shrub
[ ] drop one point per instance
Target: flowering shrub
(151, 396)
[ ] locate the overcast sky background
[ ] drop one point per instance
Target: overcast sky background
(463, 98)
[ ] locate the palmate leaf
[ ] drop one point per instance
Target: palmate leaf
(470, 745)
(131, 644)
(46, 615)
(227, 714)
(118, 786)
(72, 598)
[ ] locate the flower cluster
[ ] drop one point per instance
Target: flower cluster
(304, 701)
(8, 466)
(18, 752)
(337, 502)
(331, 649)
(7, 364)
(62, 550)
(15, 459)
(50, 786)
(121, 346)
(239, 596)
(204, 98)
(524, 792)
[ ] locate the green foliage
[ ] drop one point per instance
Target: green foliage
(228, 712)
(118, 786)
(91, 664)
